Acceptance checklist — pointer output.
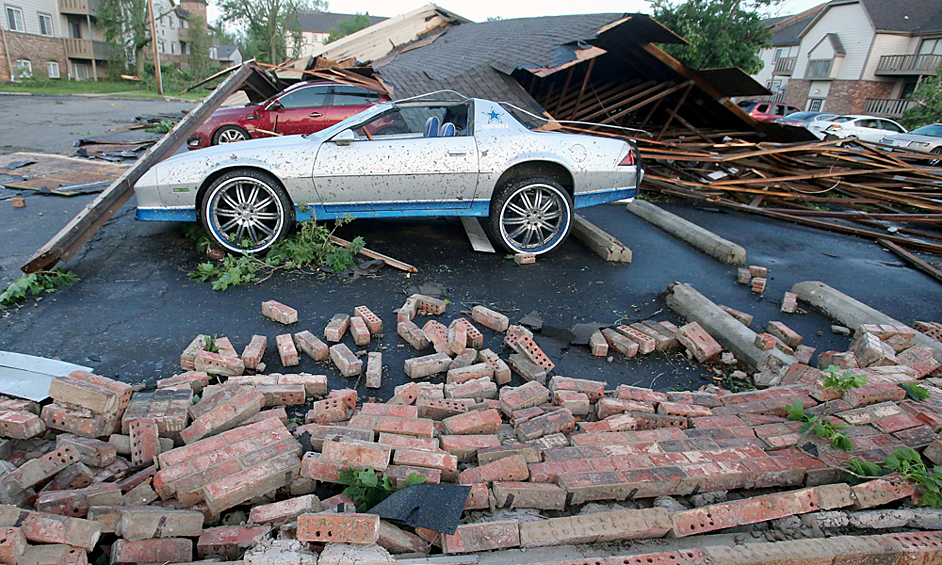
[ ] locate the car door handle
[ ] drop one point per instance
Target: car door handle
(315, 114)
(457, 152)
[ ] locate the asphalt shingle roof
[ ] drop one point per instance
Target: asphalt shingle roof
(322, 22)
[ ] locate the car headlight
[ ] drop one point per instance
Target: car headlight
(918, 144)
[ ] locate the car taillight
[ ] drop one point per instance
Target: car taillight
(629, 158)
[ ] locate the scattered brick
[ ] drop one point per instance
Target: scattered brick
(195, 380)
(592, 528)
(700, 343)
(620, 343)
(338, 528)
(92, 452)
(143, 522)
(20, 425)
(436, 409)
(408, 310)
(513, 468)
(470, 538)
(228, 542)
(473, 423)
(421, 367)
(371, 320)
(490, 319)
(254, 351)
(279, 312)
(145, 444)
(557, 421)
(611, 406)
(528, 370)
(309, 343)
(758, 284)
(223, 411)
(76, 502)
(742, 317)
(172, 550)
(336, 327)
(218, 364)
(789, 303)
(470, 372)
(434, 306)
(374, 370)
(42, 527)
(542, 496)
(12, 545)
(646, 343)
(344, 359)
(406, 426)
(359, 331)
(530, 394)
(524, 258)
(188, 357)
(359, 455)
(287, 350)
(598, 344)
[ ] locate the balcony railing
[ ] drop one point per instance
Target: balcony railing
(909, 64)
(775, 98)
(80, 7)
(888, 107)
(784, 66)
(87, 49)
(183, 34)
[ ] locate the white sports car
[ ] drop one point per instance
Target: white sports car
(413, 158)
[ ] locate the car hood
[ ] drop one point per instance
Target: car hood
(236, 111)
(912, 137)
(250, 147)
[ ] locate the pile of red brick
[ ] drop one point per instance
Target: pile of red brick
(149, 476)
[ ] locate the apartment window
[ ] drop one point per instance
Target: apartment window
(24, 69)
(75, 29)
(820, 68)
(81, 71)
(780, 53)
(814, 105)
(52, 69)
(170, 19)
(931, 47)
(173, 48)
(45, 25)
(15, 19)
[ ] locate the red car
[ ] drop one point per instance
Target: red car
(766, 111)
(305, 107)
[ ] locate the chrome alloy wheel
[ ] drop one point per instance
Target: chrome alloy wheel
(246, 214)
(534, 218)
(231, 135)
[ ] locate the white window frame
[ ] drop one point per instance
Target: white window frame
(52, 69)
(24, 65)
(16, 23)
(173, 49)
(49, 29)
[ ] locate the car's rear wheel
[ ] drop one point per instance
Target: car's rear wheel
(246, 211)
(531, 215)
(229, 134)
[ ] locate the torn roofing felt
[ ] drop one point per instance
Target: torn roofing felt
(479, 59)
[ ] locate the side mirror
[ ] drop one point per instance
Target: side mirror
(276, 105)
(344, 137)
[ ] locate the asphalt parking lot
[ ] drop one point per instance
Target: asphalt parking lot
(135, 309)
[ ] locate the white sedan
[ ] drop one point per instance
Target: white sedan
(866, 128)
(469, 157)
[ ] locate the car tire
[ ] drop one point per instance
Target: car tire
(531, 215)
(229, 134)
(936, 162)
(246, 211)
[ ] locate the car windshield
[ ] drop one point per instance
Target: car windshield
(932, 130)
(801, 115)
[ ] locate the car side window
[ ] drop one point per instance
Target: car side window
(305, 97)
(354, 96)
(867, 124)
(780, 110)
(888, 125)
(413, 121)
(762, 108)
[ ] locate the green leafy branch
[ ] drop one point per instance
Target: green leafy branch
(820, 426)
(35, 284)
(844, 382)
(914, 391)
(910, 466)
(367, 489)
(310, 247)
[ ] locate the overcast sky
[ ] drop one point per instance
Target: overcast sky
(480, 10)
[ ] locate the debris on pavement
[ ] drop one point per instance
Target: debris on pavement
(195, 470)
(55, 174)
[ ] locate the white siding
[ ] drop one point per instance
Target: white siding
(851, 24)
(887, 44)
(31, 10)
(763, 76)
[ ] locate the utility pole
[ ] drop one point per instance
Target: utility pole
(153, 40)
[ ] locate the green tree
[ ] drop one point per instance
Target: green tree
(269, 24)
(127, 30)
(928, 108)
(346, 27)
(722, 33)
(200, 42)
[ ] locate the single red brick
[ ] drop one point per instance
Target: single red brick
(371, 320)
(338, 528)
(513, 468)
(470, 538)
(474, 423)
(337, 327)
(12, 545)
(228, 542)
(168, 550)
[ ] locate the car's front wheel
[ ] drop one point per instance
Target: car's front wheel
(531, 215)
(246, 211)
(229, 134)
(936, 162)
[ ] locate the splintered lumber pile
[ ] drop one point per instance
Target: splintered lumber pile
(846, 186)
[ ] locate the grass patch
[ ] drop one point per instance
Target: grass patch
(119, 89)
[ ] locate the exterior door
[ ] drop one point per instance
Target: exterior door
(301, 111)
